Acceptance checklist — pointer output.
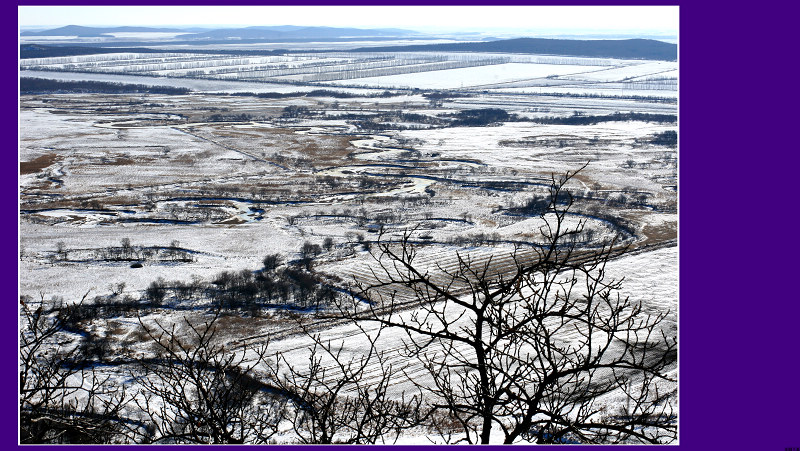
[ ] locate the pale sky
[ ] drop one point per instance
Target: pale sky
(429, 18)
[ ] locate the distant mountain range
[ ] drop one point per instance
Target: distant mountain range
(266, 32)
(94, 32)
(608, 48)
(294, 32)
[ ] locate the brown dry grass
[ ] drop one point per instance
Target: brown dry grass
(185, 159)
(235, 328)
(660, 233)
(137, 337)
(43, 185)
(652, 233)
(236, 134)
(331, 148)
(121, 161)
(322, 149)
(588, 181)
(255, 132)
(37, 164)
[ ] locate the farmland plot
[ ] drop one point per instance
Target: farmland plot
(299, 68)
(195, 84)
(428, 70)
(645, 80)
(163, 206)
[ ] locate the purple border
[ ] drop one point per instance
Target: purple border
(738, 365)
(738, 313)
(9, 169)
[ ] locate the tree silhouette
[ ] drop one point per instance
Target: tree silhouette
(547, 351)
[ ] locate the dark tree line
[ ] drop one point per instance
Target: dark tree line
(391, 120)
(481, 117)
(286, 287)
(667, 138)
(277, 284)
(467, 118)
(42, 85)
(49, 51)
(312, 93)
(582, 119)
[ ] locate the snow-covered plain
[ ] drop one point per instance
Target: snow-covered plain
(157, 170)
(472, 76)
(411, 70)
(198, 85)
(128, 161)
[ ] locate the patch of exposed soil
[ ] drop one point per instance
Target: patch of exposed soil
(37, 164)
(660, 233)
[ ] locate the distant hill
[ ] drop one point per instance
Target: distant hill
(295, 32)
(607, 48)
(90, 32)
(47, 51)
(272, 32)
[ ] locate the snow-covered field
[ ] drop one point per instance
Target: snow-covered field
(626, 72)
(118, 158)
(206, 86)
(227, 180)
(580, 90)
(472, 77)
(412, 70)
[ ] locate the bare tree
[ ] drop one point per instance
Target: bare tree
(127, 249)
(271, 262)
(308, 252)
(328, 243)
(546, 351)
(196, 391)
(342, 398)
(61, 400)
(61, 251)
